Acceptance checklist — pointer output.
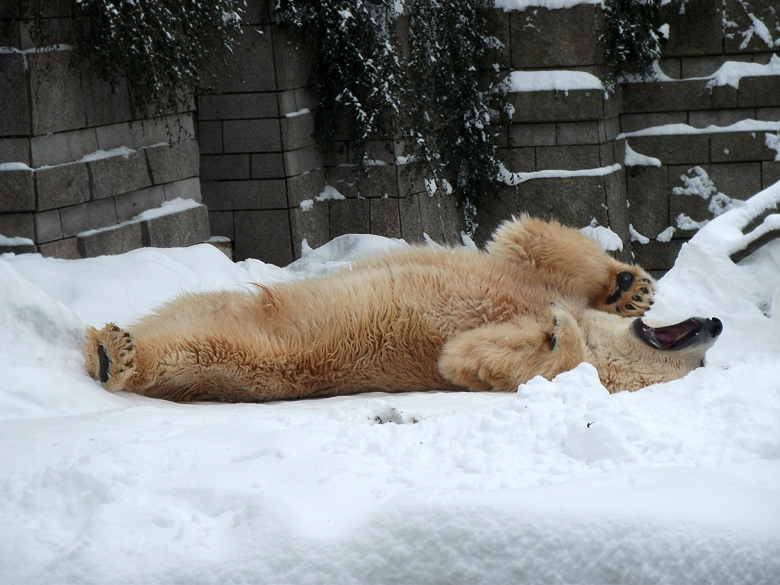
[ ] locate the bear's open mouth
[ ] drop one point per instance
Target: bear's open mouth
(674, 337)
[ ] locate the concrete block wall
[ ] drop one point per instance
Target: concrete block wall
(687, 120)
(76, 164)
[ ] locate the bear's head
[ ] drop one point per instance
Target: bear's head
(631, 354)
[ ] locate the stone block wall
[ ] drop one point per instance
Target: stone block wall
(73, 158)
(77, 165)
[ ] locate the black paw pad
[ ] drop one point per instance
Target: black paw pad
(625, 280)
(104, 362)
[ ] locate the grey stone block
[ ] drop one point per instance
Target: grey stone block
(57, 96)
(305, 186)
(48, 226)
(759, 92)
(250, 69)
(696, 30)
(380, 181)
(15, 150)
(770, 173)
(440, 218)
(174, 230)
(648, 194)
(657, 257)
(738, 180)
(575, 201)
(518, 160)
(607, 154)
(575, 42)
(128, 205)
(662, 96)
(210, 137)
(224, 167)
(558, 106)
(174, 162)
(772, 114)
(705, 66)
(532, 134)
(575, 157)
(238, 106)
(67, 249)
(18, 249)
(17, 225)
(103, 103)
(740, 146)
(17, 190)
(349, 216)
(385, 217)
(171, 128)
(270, 243)
(62, 185)
(63, 147)
(411, 219)
(674, 148)
(740, 13)
(239, 195)
(270, 165)
(634, 122)
(119, 174)
(294, 100)
(15, 119)
(291, 63)
(719, 117)
(87, 216)
(117, 240)
(129, 134)
(297, 131)
(299, 161)
(312, 225)
(251, 136)
(186, 189)
(577, 133)
(617, 203)
(221, 223)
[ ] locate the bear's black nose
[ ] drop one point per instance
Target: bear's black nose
(715, 326)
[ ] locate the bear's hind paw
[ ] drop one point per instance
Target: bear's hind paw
(110, 356)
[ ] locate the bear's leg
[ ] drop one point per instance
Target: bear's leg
(503, 356)
(575, 265)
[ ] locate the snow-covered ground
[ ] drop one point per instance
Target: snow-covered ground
(559, 482)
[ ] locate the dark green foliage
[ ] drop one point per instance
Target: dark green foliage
(435, 102)
(159, 46)
(632, 38)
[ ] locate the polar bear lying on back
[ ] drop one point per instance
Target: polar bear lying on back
(541, 299)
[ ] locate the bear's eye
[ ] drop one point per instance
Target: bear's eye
(553, 341)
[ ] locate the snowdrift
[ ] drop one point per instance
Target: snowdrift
(559, 482)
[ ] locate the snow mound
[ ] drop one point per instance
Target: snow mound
(558, 482)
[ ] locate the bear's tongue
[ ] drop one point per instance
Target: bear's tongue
(669, 337)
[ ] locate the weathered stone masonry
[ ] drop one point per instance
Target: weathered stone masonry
(258, 160)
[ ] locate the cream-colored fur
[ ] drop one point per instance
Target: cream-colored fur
(536, 302)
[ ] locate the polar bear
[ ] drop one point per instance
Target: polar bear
(540, 299)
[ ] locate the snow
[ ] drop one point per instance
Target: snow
(511, 178)
(560, 482)
(166, 208)
(15, 241)
(521, 5)
(14, 166)
(607, 239)
(667, 129)
(635, 159)
(329, 193)
(521, 81)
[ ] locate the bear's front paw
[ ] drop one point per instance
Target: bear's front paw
(632, 293)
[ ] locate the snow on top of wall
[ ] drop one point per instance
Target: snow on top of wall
(14, 166)
(667, 129)
(511, 178)
(25, 52)
(520, 5)
(167, 208)
(519, 81)
(732, 71)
